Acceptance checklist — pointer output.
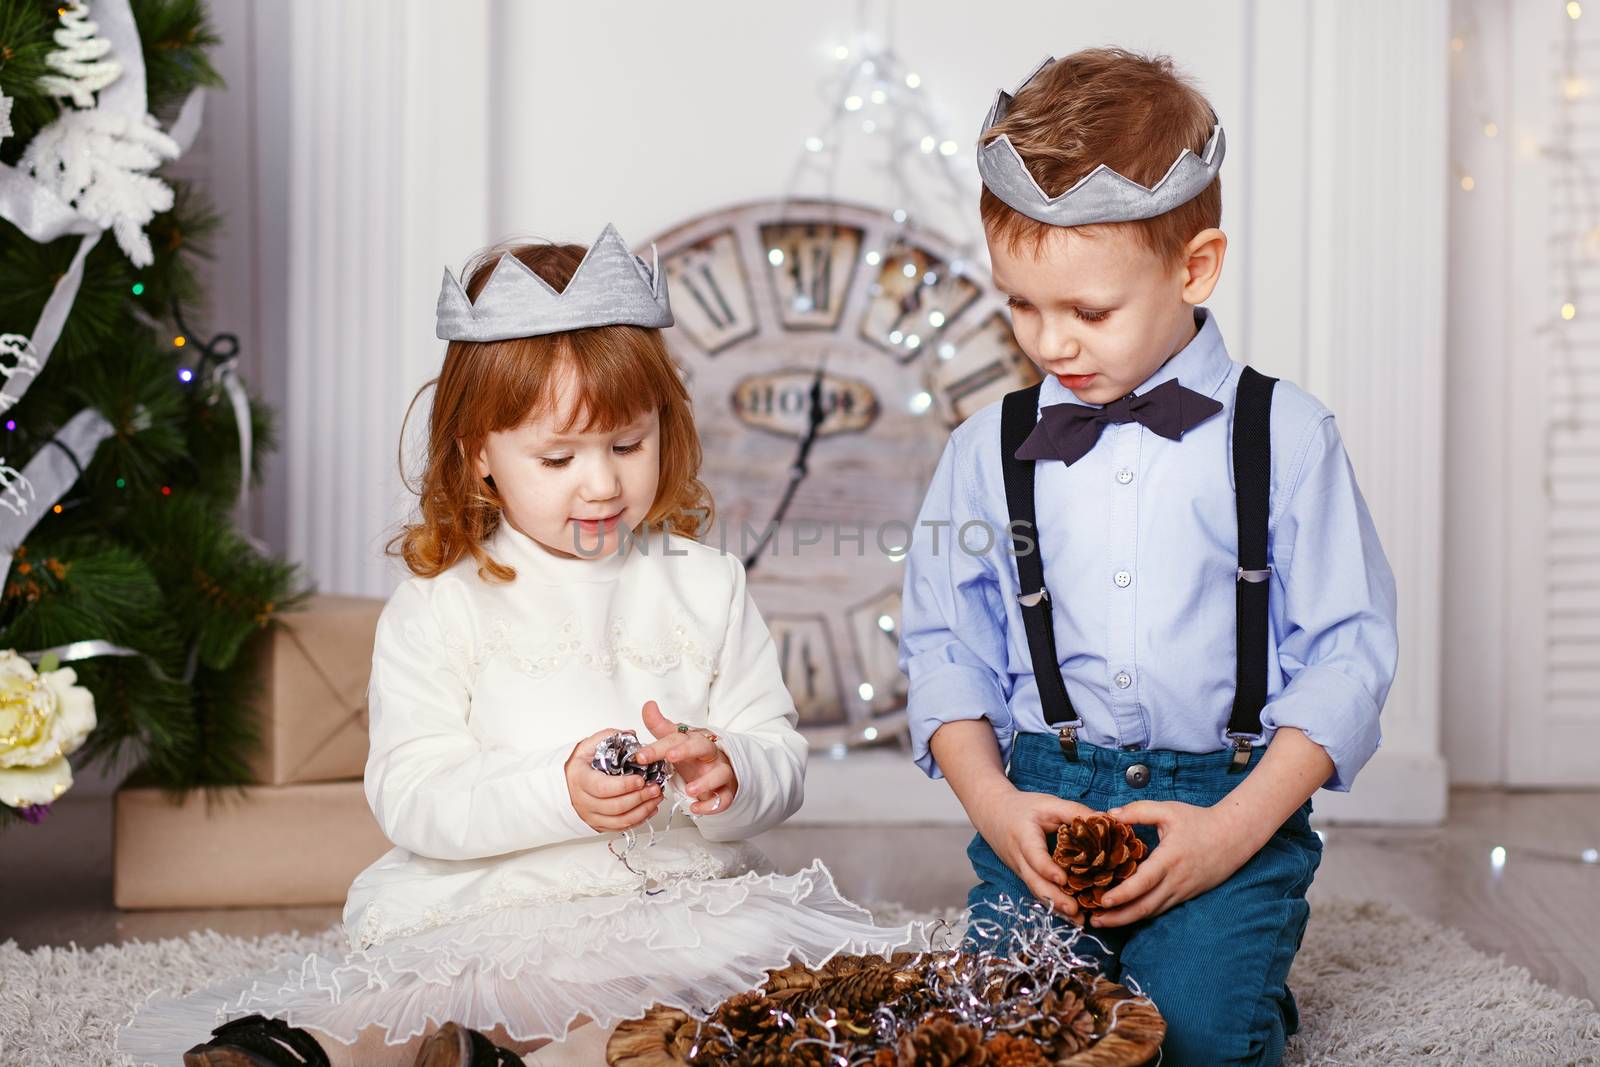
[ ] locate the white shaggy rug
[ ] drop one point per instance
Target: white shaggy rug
(1375, 986)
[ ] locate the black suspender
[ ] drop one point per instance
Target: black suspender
(1018, 413)
(1252, 482)
(1252, 469)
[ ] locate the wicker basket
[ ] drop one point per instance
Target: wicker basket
(1131, 1028)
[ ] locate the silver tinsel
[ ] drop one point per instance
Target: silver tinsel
(994, 981)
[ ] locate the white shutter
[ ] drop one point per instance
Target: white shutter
(1553, 728)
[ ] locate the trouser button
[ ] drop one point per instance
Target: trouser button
(1137, 775)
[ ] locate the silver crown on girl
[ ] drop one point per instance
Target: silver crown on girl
(611, 287)
(1102, 195)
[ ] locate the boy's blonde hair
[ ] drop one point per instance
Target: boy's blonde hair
(1134, 113)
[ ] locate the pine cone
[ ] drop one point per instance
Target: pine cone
(1098, 853)
(943, 1043)
(751, 1018)
(1072, 1023)
(1009, 1050)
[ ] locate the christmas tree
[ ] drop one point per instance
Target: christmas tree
(124, 438)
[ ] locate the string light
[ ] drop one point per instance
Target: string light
(138, 288)
(179, 341)
(813, 144)
(841, 53)
(11, 424)
(1491, 130)
(868, 126)
(1467, 183)
(56, 509)
(122, 483)
(947, 148)
(852, 103)
(913, 80)
(166, 490)
(1457, 44)
(886, 623)
(775, 257)
(1574, 10)
(185, 374)
(1574, 87)
(870, 733)
(866, 690)
(1569, 311)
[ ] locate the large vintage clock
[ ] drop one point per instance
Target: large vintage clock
(829, 349)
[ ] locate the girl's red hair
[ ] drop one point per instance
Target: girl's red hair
(620, 373)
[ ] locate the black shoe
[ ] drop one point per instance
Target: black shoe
(256, 1041)
(453, 1045)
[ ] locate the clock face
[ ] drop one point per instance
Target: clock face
(829, 350)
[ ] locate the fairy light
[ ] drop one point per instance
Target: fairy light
(929, 144)
(1569, 311)
(11, 424)
(1497, 858)
(878, 96)
(920, 403)
(868, 126)
(1491, 130)
(813, 144)
(886, 623)
(1574, 10)
(179, 341)
(56, 509)
(913, 80)
(866, 691)
(947, 148)
(775, 257)
(852, 103)
(869, 734)
(1467, 184)
(138, 288)
(185, 374)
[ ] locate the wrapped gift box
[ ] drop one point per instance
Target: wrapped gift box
(267, 846)
(313, 703)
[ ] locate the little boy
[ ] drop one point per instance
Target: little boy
(1193, 627)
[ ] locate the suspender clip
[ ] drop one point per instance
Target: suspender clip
(1255, 576)
(1241, 753)
(1068, 736)
(1033, 600)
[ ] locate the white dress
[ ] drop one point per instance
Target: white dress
(499, 905)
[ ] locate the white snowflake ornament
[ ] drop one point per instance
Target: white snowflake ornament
(97, 162)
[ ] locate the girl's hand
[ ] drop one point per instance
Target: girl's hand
(706, 770)
(1015, 824)
(609, 803)
(1200, 848)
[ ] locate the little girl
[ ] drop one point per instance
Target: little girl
(557, 597)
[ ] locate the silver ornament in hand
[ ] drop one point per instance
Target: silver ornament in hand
(615, 755)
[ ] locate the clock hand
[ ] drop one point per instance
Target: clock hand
(815, 417)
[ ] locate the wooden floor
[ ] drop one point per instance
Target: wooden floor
(1540, 907)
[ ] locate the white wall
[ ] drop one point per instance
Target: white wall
(395, 138)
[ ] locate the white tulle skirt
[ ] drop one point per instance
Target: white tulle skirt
(537, 970)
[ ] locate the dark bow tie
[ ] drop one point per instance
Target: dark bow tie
(1068, 431)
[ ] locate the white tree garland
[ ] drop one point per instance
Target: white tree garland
(81, 59)
(5, 117)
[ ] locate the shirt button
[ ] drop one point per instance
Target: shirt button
(1123, 579)
(1124, 475)
(1124, 679)
(1137, 775)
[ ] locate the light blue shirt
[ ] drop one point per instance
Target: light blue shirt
(1140, 544)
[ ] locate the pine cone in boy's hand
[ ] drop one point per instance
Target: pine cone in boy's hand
(1098, 853)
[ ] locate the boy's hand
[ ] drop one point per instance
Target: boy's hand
(706, 770)
(609, 803)
(1200, 849)
(1015, 824)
